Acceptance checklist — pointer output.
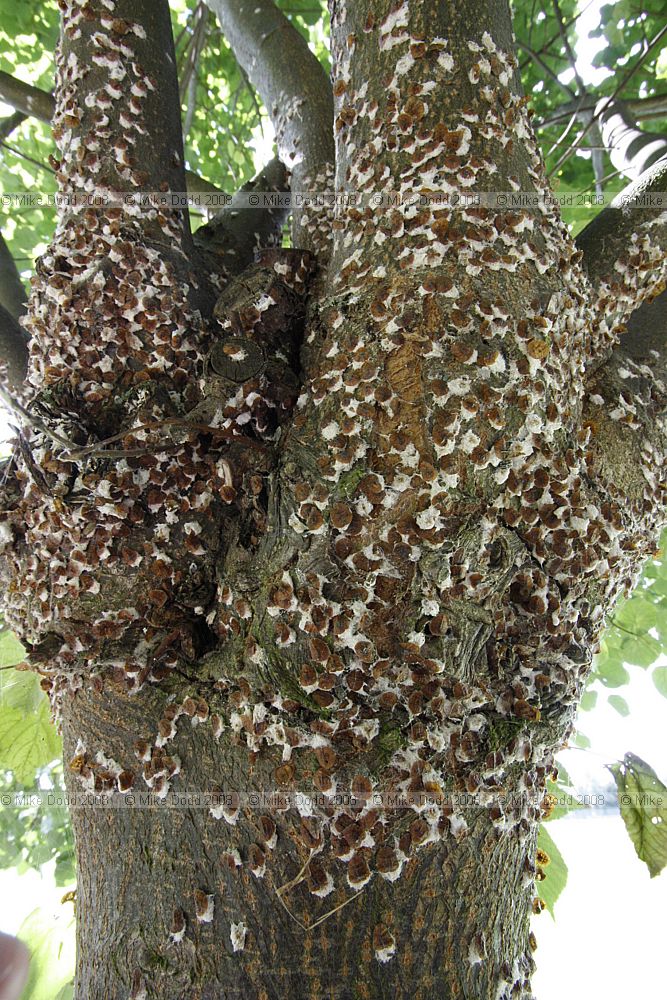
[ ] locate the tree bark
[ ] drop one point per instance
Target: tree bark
(297, 95)
(342, 571)
(460, 910)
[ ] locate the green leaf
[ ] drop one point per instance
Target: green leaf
(20, 689)
(642, 651)
(550, 888)
(619, 704)
(659, 678)
(612, 673)
(642, 799)
(32, 833)
(11, 650)
(588, 700)
(51, 944)
(27, 742)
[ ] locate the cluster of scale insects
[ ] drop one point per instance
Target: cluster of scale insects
(484, 445)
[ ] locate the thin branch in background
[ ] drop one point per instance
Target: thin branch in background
(607, 177)
(190, 76)
(597, 157)
(537, 58)
(610, 100)
(533, 22)
(179, 38)
(24, 156)
(550, 41)
(561, 139)
(597, 162)
(190, 106)
(572, 59)
(193, 46)
(10, 124)
(641, 108)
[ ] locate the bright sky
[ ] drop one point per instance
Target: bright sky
(587, 48)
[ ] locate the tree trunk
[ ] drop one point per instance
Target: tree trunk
(324, 582)
(460, 911)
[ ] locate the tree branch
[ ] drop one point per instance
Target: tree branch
(537, 58)
(13, 351)
(294, 89)
(29, 100)
(625, 254)
(645, 341)
(562, 28)
(625, 405)
(12, 293)
(8, 125)
(13, 339)
(631, 150)
(240, 229)
(592, 119)
(641, 109)
(120, 147)
(36, 103)
(188, 83)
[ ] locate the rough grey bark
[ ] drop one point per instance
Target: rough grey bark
(478, 891)
(624, 250)
(362, 555)
(234, 234)
(36, 103)
(297, 95)
(13, 351)
(29, 100)
(10, 123)
(640, 354)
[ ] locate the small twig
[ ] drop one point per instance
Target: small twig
(189, 81)
(24, 156)
(75, 452)
(607, 177)
(34, 421)
(610, 100)
(622, 628)
(553, 38)
(568, 48)
(298, 878)
(536, 57)
(561, 138)
(335, 910)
